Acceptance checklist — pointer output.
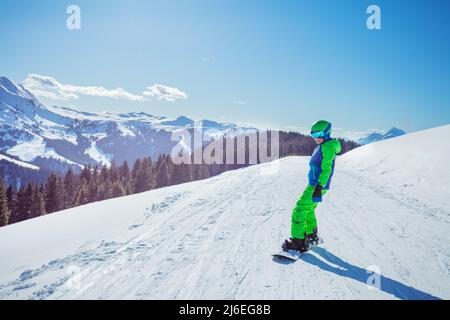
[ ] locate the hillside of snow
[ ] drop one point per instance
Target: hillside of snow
(414, 165)
(213, 239)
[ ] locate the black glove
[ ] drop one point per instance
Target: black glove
(317, 194)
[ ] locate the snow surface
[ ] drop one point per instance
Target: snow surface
(414, 165)
(98, 155)
(19, 163)
(214, 238)
(28, 150)
(33, 148)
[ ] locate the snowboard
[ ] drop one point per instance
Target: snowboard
(294, 255)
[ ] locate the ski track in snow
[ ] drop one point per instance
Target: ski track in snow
(213, 239)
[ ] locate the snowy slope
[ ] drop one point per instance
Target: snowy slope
(213, 238)
(18, 163)
(415, 165)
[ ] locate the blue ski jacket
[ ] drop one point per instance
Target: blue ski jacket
(321, 165)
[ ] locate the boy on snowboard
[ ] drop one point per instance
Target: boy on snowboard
(321, 168)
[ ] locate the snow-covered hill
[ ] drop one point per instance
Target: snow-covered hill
(214, 238)
(56, 138)
(413, 164)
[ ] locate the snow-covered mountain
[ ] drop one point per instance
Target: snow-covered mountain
(56, 138)
(378, 136)
(388, 212)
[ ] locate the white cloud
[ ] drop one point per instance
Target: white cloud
(51, 94)
(45, 86)
(240, 102)
(162, 92)
(49, 87)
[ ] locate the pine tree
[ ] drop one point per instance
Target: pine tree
(124, 172)
(176, 176)
(144, 177)
(134, 171)
(104, 191)
(53, 194)
(10, 195)
(19, 207)
(70, 185)
(37, 203)
(28, 200)
(86, 173)
(181, 173)
(82, 194)
(159, 161)
(129, 189)
(104, 174)
(42, 190)
(126, 177)
(113, 172)
(22, 204)
(4, 210)
(162, 176)
(117, 190)
(93, 186)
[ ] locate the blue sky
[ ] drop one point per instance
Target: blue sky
(267, 63)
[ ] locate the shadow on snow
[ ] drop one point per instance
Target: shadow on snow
(347, 270)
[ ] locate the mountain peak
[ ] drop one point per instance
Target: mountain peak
(8, 85)
(377, 136)
(10, 90)
(396, 130)
(4, 79)
(180, 121)
(184, 118)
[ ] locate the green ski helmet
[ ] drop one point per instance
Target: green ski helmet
(321, 129)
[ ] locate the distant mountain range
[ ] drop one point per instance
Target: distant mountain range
(377, 136)
(36, 137)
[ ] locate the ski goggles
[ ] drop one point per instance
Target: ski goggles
(317, 135)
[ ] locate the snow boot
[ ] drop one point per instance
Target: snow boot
(300, 245)
(313, 238)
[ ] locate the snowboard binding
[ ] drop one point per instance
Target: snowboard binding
(300, 245)
(313, 239)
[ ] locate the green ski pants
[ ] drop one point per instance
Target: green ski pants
(303, 216)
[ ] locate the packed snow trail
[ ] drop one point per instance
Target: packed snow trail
(213, 239)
